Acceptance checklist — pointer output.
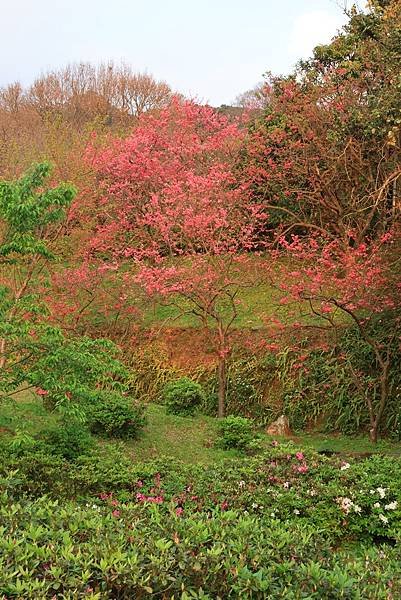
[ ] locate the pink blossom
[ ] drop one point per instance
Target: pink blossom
(300, 456)
(41, 392)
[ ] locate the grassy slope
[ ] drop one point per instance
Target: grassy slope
(188, 439)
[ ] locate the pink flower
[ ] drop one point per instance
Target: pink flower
(41, 392)
(299, 456)
(224, 505)
(274, 443)
(139, 484)
(114, 503)
(116, 513)
(303, 468)
(179, 511)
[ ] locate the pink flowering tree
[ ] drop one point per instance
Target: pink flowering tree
(341, 285)
(176, 217)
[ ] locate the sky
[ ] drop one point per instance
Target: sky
(211, 50)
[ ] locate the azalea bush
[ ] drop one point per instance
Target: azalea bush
(262, 527)
(284, 483)
(138, 551)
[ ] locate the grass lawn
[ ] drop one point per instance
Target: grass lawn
(189, 439)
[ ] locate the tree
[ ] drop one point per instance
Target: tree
(255, 99)
(351, 285)
(68, 371)
(325, 155)
(83, 92)
(30, 217)
(176, 214)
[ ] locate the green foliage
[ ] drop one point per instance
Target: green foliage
(237, 433)
(272, 526)
(27, 208)
(115, 415)
(28, 212)
(183, 396)
(68, 440)
(72, 373)
(328, 388)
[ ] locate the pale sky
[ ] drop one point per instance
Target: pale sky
(209, 49)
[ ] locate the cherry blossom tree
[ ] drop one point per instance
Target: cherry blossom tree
(176, 214)
(358, 285)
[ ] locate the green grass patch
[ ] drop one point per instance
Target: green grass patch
(190, 439)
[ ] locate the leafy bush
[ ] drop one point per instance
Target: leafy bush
(237, 433)
(114, 415)
(359, 500)
(183, 396)
(68, 440)
(104, 547)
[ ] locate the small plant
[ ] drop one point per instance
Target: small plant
(68, 440)
(237, 433)
(183, 397)
(114, 415)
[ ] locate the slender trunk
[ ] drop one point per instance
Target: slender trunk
(222, 380)
(373, 433)
(2, 353)
(384, 391)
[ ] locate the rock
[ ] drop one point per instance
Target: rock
(279, 427)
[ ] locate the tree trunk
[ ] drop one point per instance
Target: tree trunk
(222, 379)
(373, 433)
(2, 353)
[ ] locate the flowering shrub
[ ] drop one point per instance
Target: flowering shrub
(284, 483)
(136, 549)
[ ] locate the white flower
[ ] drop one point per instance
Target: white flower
(273, 515)
(254, 505)
(391, 505)
(241, 484)
(345, 466)
(286, 485)
(382, 492)
(296, 511)
(345, 504)
(357, 508)
(376, 505)
(371, 492)
(384, 519)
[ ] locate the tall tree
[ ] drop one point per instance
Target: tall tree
(174, 212)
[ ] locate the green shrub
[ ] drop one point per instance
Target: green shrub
(114, 415)
(183, 396)
(68, 440)
(237, 433)
(108, 549)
